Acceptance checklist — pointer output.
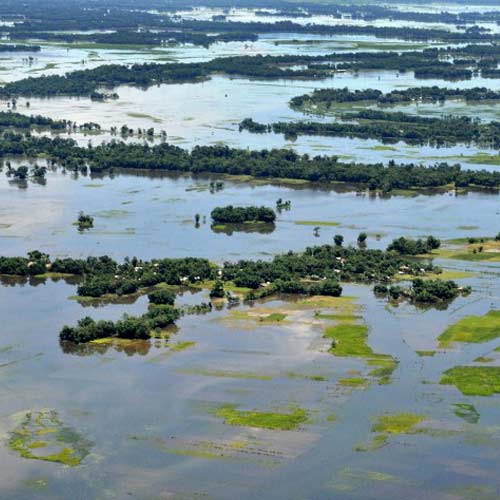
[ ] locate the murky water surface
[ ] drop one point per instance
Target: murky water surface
(145, 415)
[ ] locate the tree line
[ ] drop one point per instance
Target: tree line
(217, 159)
(390, 127)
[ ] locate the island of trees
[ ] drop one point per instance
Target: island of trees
(391, 127)
(326, 97)
(241, 215)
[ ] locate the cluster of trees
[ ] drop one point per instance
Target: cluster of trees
(240, 215)
(84, 221)
(391, 127)
(277, 163)
(20, 121)
(434, 94)
(424, 292)
(129, 327)
(407, 246)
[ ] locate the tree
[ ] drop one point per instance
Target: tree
(338, 240)
(217, 291)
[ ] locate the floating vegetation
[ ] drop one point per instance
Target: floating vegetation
(483, 359)
(473, 380)
(264, 420)
(378, 441)
(474, 329)
(466, 412)
(42, 436)
(428, 354)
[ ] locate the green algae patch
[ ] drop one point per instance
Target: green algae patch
(264, 420)
(42, 436)
(424, 354)
(466, 412)
(398, 423)
(475, 329)
(473, 380)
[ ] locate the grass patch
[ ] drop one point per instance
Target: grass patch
(445, 275)
(473, 329)
(264, 420)
(349, 340)
(378, 441)
(473, 380)
(398, 423)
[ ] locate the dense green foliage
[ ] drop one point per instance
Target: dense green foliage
(239, 215)
(407, 246)
(129, 327)
(424, 292)
(391, 127)
(276, 163)
(434, 94)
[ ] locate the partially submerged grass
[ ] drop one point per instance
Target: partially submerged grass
(474, 329)
(224, 374)
(264, 420)
(428, 354)
(466, 412)
(349, 340)
(398, 423)
(42, 436)
(486, 250)
(315, 223)
(473, 380)
(353, 382)
(387, 425)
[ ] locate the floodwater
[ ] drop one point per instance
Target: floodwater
(148, 412)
